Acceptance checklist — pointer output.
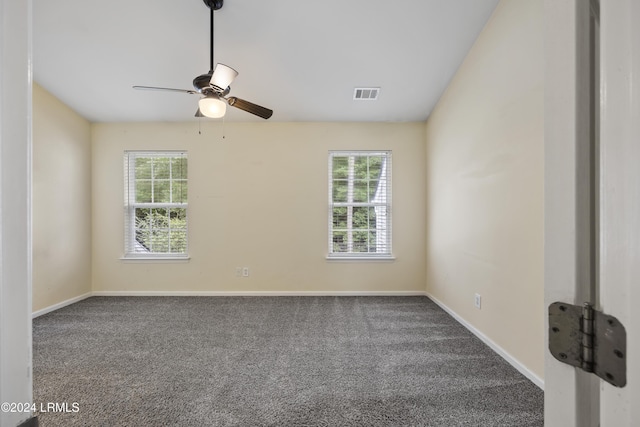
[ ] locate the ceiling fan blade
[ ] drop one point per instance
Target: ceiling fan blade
(250, 107)
(222, 77)
(165, 89)
(199, 113)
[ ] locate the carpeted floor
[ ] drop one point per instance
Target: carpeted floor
(272, 361)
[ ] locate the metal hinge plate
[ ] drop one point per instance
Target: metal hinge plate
(589, 340)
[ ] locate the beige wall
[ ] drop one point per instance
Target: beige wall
(485, 185)
(258, 198)
(61, 202)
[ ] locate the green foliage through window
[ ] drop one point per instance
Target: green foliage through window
(360, 201)
(157, 203)
(161, 230)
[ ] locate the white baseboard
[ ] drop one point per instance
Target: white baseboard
(60, 305)
(495, 347)
(254, 293)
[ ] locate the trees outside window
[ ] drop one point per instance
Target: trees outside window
(155, 204)
(359, 204)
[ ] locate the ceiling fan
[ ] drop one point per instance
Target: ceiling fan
(214, 86)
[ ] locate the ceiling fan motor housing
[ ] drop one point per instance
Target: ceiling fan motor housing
(202, 85)
(201, 82)
(214, 4)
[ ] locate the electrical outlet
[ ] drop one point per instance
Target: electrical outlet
(477, 301)
(238, 271)
(245, 271)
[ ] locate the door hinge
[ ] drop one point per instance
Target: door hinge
(589, 340)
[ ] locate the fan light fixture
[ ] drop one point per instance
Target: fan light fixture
(222, 77)
(212, 106)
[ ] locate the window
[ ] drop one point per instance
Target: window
(155, 204)
(360, 204)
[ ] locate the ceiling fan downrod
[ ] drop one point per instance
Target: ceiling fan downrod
(201, 83)
(212, 5)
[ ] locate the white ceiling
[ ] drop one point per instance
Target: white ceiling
(300, 58)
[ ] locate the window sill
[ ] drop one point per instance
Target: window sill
(386, 258)
(156, 259)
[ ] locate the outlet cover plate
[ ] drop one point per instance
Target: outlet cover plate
(478, 301)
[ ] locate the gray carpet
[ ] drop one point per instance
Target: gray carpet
(272, 361)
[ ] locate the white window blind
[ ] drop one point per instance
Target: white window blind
(155, 204)
(360, 204)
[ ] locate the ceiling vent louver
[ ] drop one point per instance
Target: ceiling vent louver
(366, 93)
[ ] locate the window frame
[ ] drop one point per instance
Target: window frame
(386, 202)
(130, 205)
